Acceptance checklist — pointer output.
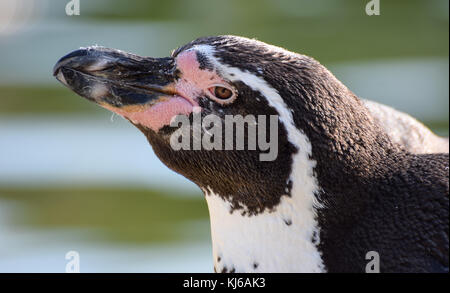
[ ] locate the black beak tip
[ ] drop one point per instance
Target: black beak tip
(56, 69)
(66, 59)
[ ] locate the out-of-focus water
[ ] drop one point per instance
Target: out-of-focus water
(80, 150)
(25, 250)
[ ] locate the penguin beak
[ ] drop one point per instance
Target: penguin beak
(115, 79)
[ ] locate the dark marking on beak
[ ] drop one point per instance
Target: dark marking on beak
(117, 78)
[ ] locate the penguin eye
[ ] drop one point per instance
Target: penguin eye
(222, 94)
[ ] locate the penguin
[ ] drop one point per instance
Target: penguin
(340, 189)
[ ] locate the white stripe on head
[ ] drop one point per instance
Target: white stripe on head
(266, 238)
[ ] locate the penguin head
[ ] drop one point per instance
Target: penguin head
(219, 77)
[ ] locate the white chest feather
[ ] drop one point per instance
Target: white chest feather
(279, 241)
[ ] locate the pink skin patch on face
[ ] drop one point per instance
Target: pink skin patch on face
(193, 83)
(157, 116)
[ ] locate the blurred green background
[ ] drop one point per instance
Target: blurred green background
(65, 181)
